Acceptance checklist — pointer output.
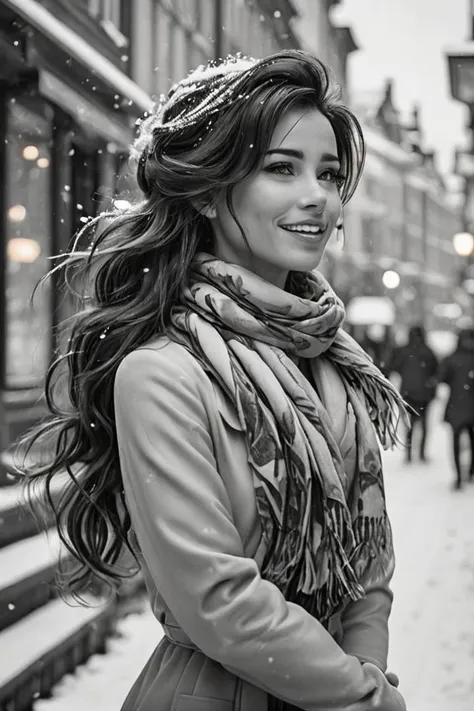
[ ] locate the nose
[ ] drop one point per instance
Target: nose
(314, 196)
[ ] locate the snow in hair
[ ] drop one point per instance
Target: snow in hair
(210, 74)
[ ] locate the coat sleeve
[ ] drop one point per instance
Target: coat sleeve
(181, 515)
(365, 624)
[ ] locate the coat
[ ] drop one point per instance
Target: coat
(418, 367)
(457, 371)
(231, 640)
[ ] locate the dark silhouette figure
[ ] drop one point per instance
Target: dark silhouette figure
(418, 367)
(457, 371)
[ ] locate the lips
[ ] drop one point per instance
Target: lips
(305, 228)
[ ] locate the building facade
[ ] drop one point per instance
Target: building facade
(317, 34)
(400, 219)
(171, 37)
(67, 112)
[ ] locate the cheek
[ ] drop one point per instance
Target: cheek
(335, 204)
(252, 203)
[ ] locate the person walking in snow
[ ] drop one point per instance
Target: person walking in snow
(418, 368)
(457, 371)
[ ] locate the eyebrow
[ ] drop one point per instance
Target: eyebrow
(300, 155)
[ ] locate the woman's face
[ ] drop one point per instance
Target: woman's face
(289, 206)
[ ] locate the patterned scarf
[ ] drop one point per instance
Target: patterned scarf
(247, 333)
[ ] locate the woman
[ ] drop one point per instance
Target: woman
(224, 417)
(457, 371)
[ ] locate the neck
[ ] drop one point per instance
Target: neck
(273, 274)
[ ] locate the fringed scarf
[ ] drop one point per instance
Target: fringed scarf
(247, 333)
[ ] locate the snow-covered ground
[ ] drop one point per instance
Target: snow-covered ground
(432, 624)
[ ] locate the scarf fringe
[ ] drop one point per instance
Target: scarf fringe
(342, 579)
(384, 404)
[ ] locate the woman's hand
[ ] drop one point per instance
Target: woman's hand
(387, 697)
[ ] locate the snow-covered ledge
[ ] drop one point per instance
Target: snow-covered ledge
(73, 44)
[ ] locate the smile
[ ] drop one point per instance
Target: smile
(303, 229)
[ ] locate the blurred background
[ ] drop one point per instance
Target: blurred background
(75, 75)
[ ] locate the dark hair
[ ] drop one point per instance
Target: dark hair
(135, 270)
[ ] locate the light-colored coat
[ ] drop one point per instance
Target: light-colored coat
(231, 638)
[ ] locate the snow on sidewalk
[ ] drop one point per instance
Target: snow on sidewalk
(432, 622)
(103, 682)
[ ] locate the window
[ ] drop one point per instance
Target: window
(162, 62)
(109, 11)
(368, 235)
(206, 19)
(84, 187)
(179, 48)
(395, 236)
(28, 240)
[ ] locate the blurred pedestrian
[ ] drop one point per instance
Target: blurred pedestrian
(457, 371)
(218, 399)
(377, 343)
(417, 366)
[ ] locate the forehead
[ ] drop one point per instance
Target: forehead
(307, 129)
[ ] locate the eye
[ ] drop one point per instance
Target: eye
(280, 168)
(333, 176)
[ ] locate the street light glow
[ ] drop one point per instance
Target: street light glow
(16, 213)
(391, 279)
(30, 153)
(463, 243)
(23, 250)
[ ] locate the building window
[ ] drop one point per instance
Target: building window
(368, 235)
(179, 49)
(107, 11)
(28, 240)
(415, 246)
(179, 42)
(84, 188)
(113, 16)
(162, 29)
(205, 18)
(395, 245)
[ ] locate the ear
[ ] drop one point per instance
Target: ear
(207, 210)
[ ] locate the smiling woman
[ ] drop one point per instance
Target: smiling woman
(289, 207)
(219, 411)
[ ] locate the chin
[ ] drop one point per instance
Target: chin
(306, 263)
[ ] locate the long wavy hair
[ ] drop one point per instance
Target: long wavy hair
(134, 271)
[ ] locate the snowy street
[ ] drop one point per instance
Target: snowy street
(432, 624)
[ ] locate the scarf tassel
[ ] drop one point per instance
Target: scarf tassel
(341, 582)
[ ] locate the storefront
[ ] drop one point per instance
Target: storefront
(66, 122)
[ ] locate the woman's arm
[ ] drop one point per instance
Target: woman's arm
(365, 624)
(182, 518)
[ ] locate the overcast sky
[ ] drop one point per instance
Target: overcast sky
(406, 39)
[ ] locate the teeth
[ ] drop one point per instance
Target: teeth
(309, 229)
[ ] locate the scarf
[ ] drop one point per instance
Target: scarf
(247, 333)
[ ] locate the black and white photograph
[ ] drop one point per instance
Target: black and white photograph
(236, 355)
